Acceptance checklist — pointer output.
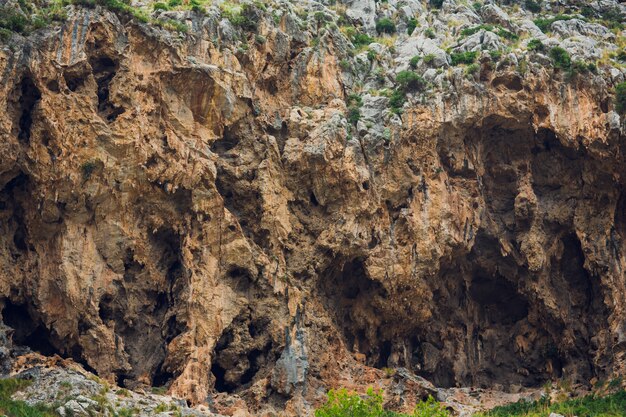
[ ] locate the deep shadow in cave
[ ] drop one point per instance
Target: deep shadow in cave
(489, 326)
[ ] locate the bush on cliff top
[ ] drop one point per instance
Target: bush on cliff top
(342, 403)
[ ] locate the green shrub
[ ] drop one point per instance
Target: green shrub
(463, 57)
(385, 25)
(341, 403)
(413, 61)
(612, 18)
(396, 100)
(436, 3)
(429, 33)
(560, 58)
(580, 67)
(160, 6)
(360, 39)
(477, 6)
(505, 34)
(429, 59)
(174, 3)
(372, 55)
(13, 20)
(354, 115)
(476, 29)
(495, 55)
(411, 25)
(244, 17)
(620, 98)
(612, 405)
(354, 100)
(13, 408)
(544, 24)
(430, 408)
(409, 80)
(533, 6)
(535, 45)
(472, 69)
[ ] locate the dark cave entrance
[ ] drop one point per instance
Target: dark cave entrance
(30, 331)
(355, 302)
(244, 350)
(29, 96)
(494, 319)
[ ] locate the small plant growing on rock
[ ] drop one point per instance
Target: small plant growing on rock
(536, 45)
(545, 24)
(396, 101)
(409, 80)
(354, 102)
(414, 61)
(385, 25)
(472, 69)
(430, 34)
(467, 58)
(495, 55)
(429, 59)
(411, 25)
(436, 3)
(560, 58)
(533, 6)
(620, 98)
(160, 6)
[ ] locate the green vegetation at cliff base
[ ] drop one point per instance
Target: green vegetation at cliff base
(342, 403)
(612, 405)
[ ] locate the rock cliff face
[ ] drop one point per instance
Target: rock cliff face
(194, 210)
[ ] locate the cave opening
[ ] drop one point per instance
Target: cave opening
(148, 327)
(104, 70)
(27, 330)
(228, 141)
(245, 349)
(495, 320)
(29, 97)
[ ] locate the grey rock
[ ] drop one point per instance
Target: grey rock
(481, 40)
(373, 107)
(528, 26)
(577, 27)
(421, 46)
(363, 12)
(227, 31)
(491, 13)
(585, 48)
(73, 408)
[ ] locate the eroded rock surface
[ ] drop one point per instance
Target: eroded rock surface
(179, 211)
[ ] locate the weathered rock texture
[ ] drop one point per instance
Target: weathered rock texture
(178, 212)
